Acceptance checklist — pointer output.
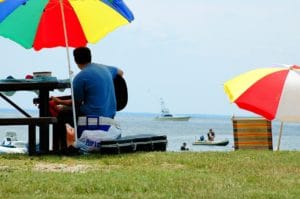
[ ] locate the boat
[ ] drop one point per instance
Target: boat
(212, 143)
(166, 115)
(10, 144)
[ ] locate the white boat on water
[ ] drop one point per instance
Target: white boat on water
(10, 144)
(166, 115)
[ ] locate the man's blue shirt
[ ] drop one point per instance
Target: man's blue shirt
(94, 88)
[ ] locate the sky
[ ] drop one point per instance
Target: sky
(181, 51)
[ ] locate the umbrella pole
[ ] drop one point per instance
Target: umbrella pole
(69, 66)
(279, 137)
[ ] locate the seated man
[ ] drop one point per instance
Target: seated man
(211, 135)
(93, 91)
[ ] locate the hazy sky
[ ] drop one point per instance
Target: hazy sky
(182, 51)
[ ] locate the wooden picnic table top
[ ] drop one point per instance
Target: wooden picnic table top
(33, 85)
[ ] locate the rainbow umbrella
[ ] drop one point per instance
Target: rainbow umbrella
(51, 23)
(273, 93)
(41, 24)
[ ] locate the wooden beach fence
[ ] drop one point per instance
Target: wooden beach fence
(252, 133)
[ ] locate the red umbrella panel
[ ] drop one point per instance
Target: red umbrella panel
(273, 93)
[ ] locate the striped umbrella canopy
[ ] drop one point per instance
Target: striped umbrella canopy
(50, 23)
(273, 93)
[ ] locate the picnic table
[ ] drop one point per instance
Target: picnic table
(42, 86)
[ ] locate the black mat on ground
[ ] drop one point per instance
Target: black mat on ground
(133, 143)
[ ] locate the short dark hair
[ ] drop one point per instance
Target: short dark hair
(82, 55)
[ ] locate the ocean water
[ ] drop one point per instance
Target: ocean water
(187, 131)
(178, 132)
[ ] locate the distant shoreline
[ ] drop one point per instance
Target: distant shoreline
(11, 110)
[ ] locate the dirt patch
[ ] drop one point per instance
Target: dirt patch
(108, 168)
(5, 168)
(171, 166)
(80, 168)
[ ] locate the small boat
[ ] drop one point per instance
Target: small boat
(173, 118)
(166, 115)
(212, 143)
(10, 144)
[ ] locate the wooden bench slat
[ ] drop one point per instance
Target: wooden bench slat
(32, 123)
(252, 133)
(27, 121)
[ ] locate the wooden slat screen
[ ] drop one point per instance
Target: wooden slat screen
(252, 133)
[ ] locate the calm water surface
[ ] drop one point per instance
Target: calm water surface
(178, 132)
(187, 131)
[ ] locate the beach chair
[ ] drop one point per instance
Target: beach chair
(252, 133)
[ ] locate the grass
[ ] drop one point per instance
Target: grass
(238, 174)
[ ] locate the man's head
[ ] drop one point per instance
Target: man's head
(82, 55)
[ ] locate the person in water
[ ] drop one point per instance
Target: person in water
(211, 135)
(183, 147)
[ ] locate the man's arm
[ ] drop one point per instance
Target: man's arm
(58, 101)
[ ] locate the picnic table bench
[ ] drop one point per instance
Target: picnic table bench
(32, 123)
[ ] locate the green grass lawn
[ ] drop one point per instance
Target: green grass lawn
(237, 174)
